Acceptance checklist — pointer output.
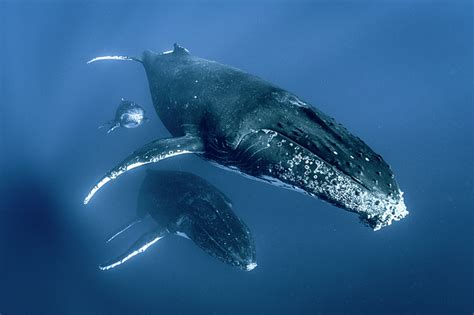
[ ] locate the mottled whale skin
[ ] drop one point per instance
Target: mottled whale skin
(246, 124)
(185, 204)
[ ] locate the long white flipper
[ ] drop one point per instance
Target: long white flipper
(111, 126)
(141, 245)
(113, 58)
(151, 153)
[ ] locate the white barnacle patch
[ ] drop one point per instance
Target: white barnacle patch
(296, 101)
(367, 159)
(251, 266)
(313, 176)
(182, 234)
(272, 134)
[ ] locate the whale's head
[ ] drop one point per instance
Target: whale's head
(301, 148)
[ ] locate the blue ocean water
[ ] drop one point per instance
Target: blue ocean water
(399, 74)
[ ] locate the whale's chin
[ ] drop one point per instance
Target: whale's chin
(268, 156)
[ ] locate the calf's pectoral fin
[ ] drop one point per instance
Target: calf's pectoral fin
(151, 153)
(111, 125)
(125, 227)
(141, 245)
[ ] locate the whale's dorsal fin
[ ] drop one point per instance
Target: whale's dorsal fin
(179, 50)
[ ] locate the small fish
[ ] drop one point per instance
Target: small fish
(128, 115)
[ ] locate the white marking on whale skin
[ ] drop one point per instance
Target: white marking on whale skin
(321, 179)
(135, 115)
(251, 266)
(284, 97)
(167, 52)
(296, 101)
(334, 184)
(132, 254)
(182, 234)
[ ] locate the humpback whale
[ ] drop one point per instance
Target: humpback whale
(128, 115)
(246, 124)
(185, 204)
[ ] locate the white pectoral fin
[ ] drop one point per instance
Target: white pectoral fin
(182, 234)
(124, 228)
(113, 127)
(140, 246)
(114, 58)
(151, 153)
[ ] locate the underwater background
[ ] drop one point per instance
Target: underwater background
(398, 74)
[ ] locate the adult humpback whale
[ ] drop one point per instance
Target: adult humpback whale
(184, 204)
(246, 124)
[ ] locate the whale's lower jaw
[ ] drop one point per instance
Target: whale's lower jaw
(390, 210)
(314, 177)
(374, 209)
(268, 156)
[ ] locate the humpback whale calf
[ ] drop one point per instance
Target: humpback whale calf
(184, 204)
(128, 115)
(246, 124)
